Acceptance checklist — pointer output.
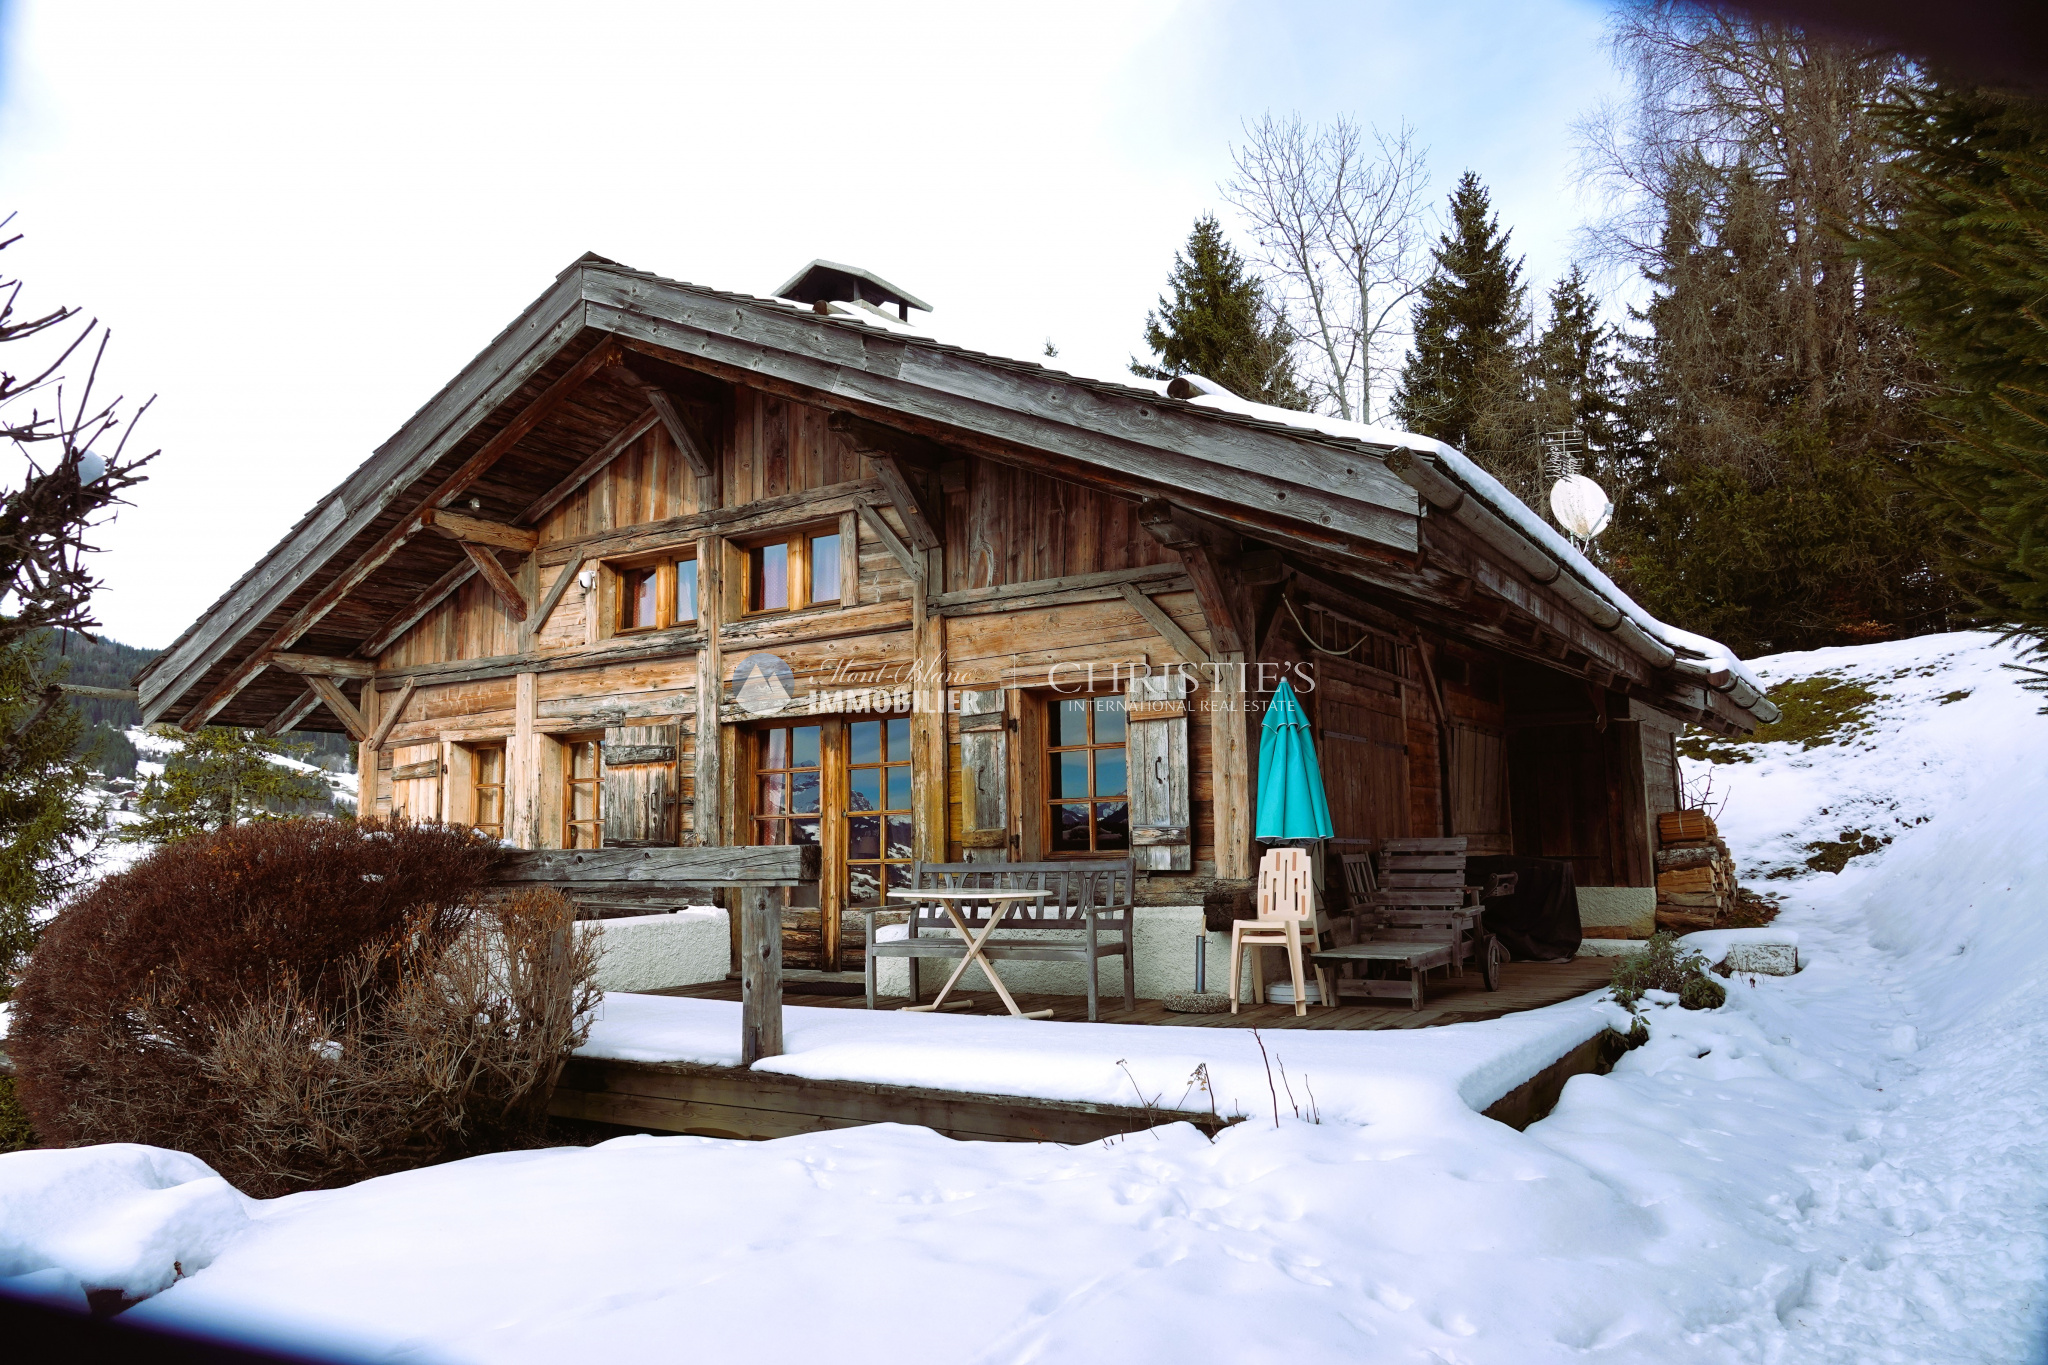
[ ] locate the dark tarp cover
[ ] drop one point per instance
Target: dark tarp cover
(1540, 921)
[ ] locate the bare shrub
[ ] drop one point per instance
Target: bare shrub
(460, 1058)
(302, 1003)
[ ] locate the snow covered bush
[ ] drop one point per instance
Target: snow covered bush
(301, 1003)
(1663, 965)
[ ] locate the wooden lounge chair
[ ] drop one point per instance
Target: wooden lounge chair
(1094, 897)
(1413, 913)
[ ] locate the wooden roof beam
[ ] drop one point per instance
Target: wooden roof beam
(289, 718)
(406, 617)
(882, 448)
(391, 713)
(477, 531)
(502, 583)
(1210, 554)
(680, 430)
(346, 582)
(913, 564)
(344, 710)
(1168, 628)
(309, 665)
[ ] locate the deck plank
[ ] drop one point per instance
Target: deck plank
(1453, 1000)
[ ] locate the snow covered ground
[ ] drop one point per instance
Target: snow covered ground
(1843, 1165)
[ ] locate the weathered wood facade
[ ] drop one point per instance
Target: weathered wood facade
(1016, 614)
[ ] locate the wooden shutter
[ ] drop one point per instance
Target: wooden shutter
(416, 781)
(984, 777)
(638, 789)
(1156, 743)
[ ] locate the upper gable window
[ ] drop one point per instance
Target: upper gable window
(793, 571)
(657, 596)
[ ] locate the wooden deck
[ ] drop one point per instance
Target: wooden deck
(1450, 1000)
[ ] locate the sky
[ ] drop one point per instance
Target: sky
(300, 221)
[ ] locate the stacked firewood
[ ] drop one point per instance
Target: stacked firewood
(1695, 872)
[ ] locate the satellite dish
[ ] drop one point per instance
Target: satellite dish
(1581, 506)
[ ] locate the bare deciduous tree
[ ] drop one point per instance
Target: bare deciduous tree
(1337, 213)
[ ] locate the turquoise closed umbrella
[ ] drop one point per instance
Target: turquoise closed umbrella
(1291, 800)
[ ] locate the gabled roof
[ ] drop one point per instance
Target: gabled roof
(342, 578)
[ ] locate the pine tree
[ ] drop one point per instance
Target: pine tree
(47, 826)
(1967, 262)
(222, 776)
(1464, 381)
(1218, 324)
(1750, 508)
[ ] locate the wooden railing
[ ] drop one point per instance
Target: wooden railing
(754, 874)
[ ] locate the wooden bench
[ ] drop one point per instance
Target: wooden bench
(1411, 913)
(1094, 897)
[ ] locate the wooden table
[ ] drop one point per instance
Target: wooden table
(949, 898)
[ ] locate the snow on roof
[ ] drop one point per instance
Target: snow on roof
(1460, 468)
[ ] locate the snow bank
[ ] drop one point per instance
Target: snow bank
(1842, 1165)
(1357, 1077)
(117, 1216)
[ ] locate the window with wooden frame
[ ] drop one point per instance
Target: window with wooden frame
(487, 787)
(1087, 791)
(788, 772)
(656, 596)
(880, 841)
(793, 571)
(582, 823)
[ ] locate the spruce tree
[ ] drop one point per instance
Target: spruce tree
(47, 825)
(1218, 324)
(1464, 382)
(221, 776)
(1967, 262)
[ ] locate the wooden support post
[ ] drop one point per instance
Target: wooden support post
(709, 817)
(1230, 755)
(760, 919)
(522, 826)
(928, 718)
(366, 753)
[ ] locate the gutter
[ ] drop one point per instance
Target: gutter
(1421, 474)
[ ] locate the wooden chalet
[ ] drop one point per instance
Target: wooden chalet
(1018, 614)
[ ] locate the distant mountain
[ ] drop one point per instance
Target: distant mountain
(109, 663)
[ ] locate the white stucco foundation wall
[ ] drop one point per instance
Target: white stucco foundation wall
(653, 952)
(1165, 941)
(1633, 908)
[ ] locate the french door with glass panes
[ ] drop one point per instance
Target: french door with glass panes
(845, 785)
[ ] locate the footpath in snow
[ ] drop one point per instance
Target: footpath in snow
(1843, 1165)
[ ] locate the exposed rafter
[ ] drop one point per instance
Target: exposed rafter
(324, 601)
(1168, 628)
(882, 449)
(582, 473)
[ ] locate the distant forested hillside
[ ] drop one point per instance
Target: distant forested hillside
(108, 663)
